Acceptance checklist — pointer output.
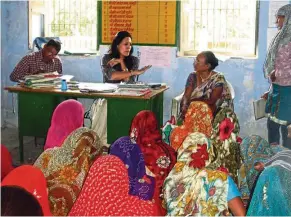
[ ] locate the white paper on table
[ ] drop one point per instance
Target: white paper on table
(155, 56)
(67, 77)
(274, 6)
(98, 87)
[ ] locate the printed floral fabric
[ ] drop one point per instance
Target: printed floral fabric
(192, 188)
(159, 157)
(225, 139)
(167, 129)
(140, 184)
(66, 168)
(197, 119)
(204, 91)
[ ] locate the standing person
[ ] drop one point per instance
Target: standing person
(43, 61)
(119, 64)
(278, 69)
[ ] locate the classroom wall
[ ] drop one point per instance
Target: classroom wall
(246, 76)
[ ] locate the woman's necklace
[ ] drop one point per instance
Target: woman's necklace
(205, 79)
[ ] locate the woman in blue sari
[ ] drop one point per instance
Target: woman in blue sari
(254, 149)
(277, 68)
(272, 194)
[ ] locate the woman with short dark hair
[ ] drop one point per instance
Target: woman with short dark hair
(119, 64)
(206, 85)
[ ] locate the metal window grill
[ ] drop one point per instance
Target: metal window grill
(74, 21)
(223, 26)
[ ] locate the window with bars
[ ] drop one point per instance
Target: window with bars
(227, 27)
(73, 21)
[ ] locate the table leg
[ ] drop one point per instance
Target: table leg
(21, 154)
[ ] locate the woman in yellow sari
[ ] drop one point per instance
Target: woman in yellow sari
(195, 187)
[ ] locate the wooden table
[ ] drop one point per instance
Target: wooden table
(36, 106)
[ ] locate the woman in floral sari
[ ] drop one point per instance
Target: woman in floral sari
(194, 188)
(198, 119)
(206, 85)
(66, 168)
(225, 139)
(159, 157)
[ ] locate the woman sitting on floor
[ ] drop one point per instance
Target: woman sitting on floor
(196, 187)
(272, 193)
(206, 85)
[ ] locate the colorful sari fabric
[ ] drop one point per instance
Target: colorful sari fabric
(282, 39)
(272, 193)
(159, 157)
(66, 168)
(105, 192)
(33, 181)
(197, 119)
(67, 117)
(140, 184)
(167, 129)
(278, 104)
(204, 91)
(6, 162)
(254, 149)
(192, 188)
(225, 137)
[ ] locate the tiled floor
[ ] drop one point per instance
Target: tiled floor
(9, 138)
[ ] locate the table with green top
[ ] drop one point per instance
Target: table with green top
(36, 106)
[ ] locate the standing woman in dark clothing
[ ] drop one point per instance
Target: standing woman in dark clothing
(119, 64)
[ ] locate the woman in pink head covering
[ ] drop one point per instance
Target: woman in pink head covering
(67, 117)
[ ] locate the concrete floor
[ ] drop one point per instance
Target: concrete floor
(9, 138)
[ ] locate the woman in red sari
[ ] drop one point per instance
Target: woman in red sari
(160, 158)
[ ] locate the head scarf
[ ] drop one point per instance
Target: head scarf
(197, 119)
(282, 38)
(273, 182)
(224, 138)
(159, 157)
(6, 162)
(140, 184)
(105, 192)
(192, 188)
(67, 117)
(255, 149)
(66, 168)
(32, 180)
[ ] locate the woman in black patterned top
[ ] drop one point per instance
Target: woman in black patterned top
(119, 64)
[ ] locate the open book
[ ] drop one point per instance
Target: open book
(259, 109)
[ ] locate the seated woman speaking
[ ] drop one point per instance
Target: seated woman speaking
(119, 64)
(206, 85)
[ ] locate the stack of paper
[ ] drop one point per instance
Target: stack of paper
(97, 87)
(45, 80)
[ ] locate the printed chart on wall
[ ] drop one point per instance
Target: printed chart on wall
(149, 22)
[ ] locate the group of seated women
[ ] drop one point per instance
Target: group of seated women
(140, 175)
(202, 167)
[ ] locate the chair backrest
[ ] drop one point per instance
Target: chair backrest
(101, 59)
(231, 90)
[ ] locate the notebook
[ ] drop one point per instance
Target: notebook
(259, 109)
